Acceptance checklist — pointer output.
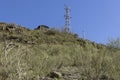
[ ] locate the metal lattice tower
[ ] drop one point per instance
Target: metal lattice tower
(83, 33)
(67, 19)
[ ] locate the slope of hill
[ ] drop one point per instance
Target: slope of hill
(53, 55)
(17, 33)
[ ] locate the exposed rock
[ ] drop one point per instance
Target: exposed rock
(54, 74)
(42, 27)
(45, 78)
(103, 77)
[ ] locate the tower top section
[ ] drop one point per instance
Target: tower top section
(67, 19)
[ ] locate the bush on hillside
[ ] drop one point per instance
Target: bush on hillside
(114, 43)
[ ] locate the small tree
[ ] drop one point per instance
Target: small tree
(114, 43)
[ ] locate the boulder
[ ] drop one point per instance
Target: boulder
(54, 74)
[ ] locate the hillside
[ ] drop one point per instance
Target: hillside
(50, 54)
(17, 33)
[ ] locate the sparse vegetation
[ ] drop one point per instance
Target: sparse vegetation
(114, 43)
(37, 55)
